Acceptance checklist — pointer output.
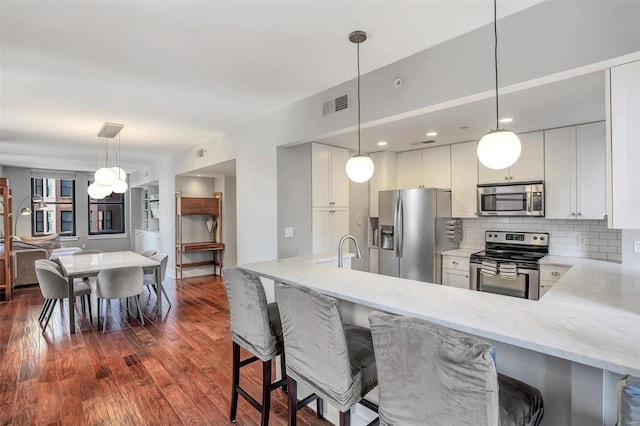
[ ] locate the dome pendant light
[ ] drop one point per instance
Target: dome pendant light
(499, 148)
(359, 167)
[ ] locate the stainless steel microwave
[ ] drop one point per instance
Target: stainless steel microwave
(519, 199)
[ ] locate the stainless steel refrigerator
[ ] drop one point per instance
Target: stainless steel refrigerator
(413, 233)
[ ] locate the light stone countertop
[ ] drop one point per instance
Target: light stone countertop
(590, 316)
(461, 252)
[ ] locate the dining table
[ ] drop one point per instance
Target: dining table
(88, 265)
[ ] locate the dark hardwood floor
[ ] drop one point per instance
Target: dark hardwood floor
(174, 372)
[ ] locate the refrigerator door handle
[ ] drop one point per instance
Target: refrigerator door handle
(400, 224)
(395, 225)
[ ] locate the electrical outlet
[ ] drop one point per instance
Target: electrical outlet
(636, 246)
(288, 232)
(582, 241)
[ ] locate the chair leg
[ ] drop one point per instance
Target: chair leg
(166, 297)
(283, 372)
(139, 310)
(107, 303)
(235, 381)
(292, 409)
(83, 305)
(345, 418)
(45, 307)
(48, 316)
(89, 305)
(266, 392)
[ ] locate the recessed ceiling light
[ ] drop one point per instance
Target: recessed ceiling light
(199, 175)
(506, 120)
(432, 134)
(382, 143)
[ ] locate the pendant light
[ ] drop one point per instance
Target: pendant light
(108, 179)
(499, 148)
(359, 167)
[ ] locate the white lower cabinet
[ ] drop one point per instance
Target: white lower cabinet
(328, 226)
(146, 240)
(549, 274)
(455, 271)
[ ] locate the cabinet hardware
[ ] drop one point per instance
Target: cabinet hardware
(455, 262)
(573, 214)
(510, 177)
(555, 273)
(579, 214)
(506, 178)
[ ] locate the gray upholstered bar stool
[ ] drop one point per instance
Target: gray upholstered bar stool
(629, 401)
(255, 325)
(334, 359)
(432, 375)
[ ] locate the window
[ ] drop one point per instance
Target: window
(106, 216)
(58, 216)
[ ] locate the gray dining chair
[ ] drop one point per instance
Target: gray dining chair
(432, 375)
(54, 287)
(150, 279)
(118, 283)
(332, 358)
(148, 253)
(629, 401)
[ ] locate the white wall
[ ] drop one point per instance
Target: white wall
(629, 257)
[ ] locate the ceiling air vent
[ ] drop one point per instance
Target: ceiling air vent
(336, 104)
(200, 153)
(422, 142)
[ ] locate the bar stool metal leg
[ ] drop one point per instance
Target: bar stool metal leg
(266, 392)
(292, 387)
(235, 381)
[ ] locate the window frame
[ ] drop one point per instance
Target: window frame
(38, 183)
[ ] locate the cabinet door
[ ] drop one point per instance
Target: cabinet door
(321, 230)
(559, 179)
(384, 178)
(339, 228)
(339, 181)
(591, 199)
(487, 175)
(530, 165)
(455, 278)
(436, 167)
(464, 179)
(320, 175)
(624, 210)
(409, 169)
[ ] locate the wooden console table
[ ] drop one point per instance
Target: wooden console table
(216, 248)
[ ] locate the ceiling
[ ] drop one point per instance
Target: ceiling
(567, 102)
(179, 73)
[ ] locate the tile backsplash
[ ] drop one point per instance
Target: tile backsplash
(600, 242)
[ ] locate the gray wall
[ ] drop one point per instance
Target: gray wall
(229, 231)
(294, 200)
(20, 180)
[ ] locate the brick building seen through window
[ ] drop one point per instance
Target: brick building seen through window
(59, 215)
(106, 216)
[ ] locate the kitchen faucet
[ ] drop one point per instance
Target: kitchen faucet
(342, 240)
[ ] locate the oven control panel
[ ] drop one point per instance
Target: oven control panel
(518, 238)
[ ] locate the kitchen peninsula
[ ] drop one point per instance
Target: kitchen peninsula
(573, 344)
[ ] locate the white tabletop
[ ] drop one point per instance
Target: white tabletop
(590, 316)
(91, 264)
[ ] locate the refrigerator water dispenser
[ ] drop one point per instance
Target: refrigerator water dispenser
(386, 237)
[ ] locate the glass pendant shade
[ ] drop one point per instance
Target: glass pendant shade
(120, 187)
(120, 174)
(98, 192)
(360, 168)
(499, 149)
(105, 176)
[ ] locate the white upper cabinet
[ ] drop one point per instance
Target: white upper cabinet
(384, 177)
(329, 181)
(409, 169)
(575, 172)
(425, 168)
(436, 167)
(529, 167)
(464, 178)
(623, 146)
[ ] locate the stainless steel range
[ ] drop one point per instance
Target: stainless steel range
(509, 263)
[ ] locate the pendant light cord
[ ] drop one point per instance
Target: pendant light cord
(495, 57)
(358, 45)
